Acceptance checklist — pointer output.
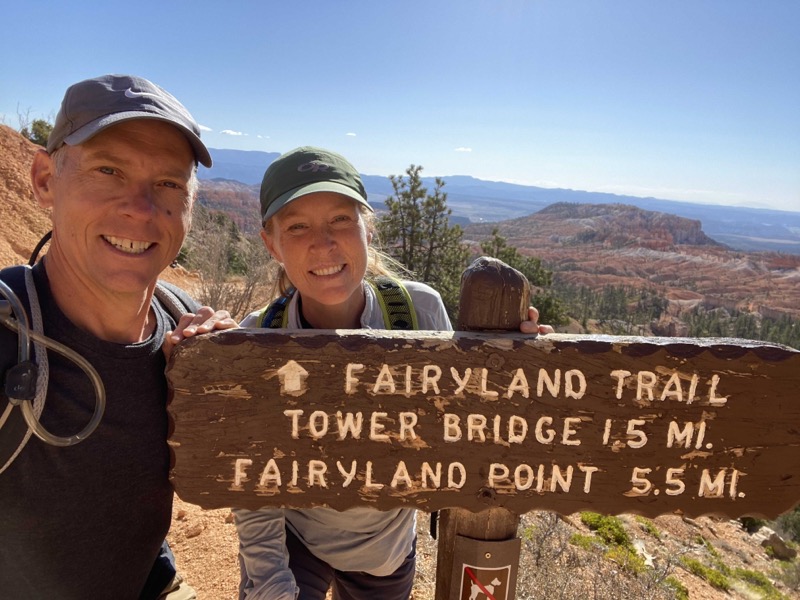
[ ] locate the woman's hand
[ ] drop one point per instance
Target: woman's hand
(532, 324)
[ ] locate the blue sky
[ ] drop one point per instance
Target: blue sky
(695, 100)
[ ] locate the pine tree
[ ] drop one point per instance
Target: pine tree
(417, 233)
(38, 132)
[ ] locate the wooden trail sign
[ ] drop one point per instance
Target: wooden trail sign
(491, 425)
(479, 420)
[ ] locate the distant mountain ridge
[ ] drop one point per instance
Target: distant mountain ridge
(599, 245)
(476, 200)
(244, 166)
(619, 225)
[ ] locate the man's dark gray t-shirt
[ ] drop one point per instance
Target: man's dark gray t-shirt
(87, 521)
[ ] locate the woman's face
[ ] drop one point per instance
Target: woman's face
(321, 240)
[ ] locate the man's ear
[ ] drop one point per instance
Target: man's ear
(42, 178)
(269, 242)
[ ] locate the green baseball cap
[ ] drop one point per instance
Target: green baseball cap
(306, 170)
(92, 105)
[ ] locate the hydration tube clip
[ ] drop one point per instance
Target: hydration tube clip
(20, 384)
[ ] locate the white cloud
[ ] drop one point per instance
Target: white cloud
(350, 134)
(463, 149)
(204, 128)
(231, 132)
(262, 137)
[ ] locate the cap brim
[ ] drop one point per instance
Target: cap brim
(305, 190)
(92, 128)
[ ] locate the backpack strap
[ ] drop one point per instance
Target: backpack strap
(174, 300)
(396, 304)
(275, 315)
(393, 297)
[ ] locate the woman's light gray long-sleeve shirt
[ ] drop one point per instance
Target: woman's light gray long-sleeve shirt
(358, 539)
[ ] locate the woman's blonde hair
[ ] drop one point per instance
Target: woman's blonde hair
(378, 262)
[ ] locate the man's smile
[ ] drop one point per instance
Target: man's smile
(129, 246)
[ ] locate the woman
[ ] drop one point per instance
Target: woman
(318, 228)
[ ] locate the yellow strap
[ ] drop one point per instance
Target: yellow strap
(396, 304)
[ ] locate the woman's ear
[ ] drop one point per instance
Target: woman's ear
(43, 178)
(269, 243)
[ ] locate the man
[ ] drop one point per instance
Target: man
(87, 520)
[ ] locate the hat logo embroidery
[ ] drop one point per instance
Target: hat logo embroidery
(129, 93)
(314, 166)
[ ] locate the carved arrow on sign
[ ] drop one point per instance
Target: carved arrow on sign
(293, 379)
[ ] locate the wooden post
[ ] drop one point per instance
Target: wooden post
(494, 297)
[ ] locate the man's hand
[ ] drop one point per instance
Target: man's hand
(206, 319)
(532, 324)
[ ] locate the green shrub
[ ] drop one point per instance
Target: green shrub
(626, 558)
(528, 533)
(712, 576)
(760, 582)
(789, 523)
(753, 577)
(718, 580)
(681, 591)
(608, 529)
(649, 527)
(587, 542)
(789, 574)
(710, 548)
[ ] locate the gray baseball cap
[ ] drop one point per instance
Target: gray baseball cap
(91, 105)
(307, 170)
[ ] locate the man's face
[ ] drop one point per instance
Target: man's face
(121, 206)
